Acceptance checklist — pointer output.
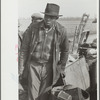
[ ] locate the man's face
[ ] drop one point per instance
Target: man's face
(49, 20)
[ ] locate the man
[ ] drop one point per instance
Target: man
(39, 58)
(36, 17)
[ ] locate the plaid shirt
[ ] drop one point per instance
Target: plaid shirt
(43, 50)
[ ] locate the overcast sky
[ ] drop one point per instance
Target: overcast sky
(68, 8)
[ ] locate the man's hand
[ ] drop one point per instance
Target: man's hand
(60, 70)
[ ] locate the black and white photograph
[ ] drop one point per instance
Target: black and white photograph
(55, 49)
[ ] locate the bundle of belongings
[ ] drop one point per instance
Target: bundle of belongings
(68, 92)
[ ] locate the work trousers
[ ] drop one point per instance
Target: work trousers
(39, 78)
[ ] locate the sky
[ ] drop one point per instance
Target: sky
(68, 8)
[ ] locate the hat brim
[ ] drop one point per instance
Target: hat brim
(51, 14)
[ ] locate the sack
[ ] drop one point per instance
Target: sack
(69, 94)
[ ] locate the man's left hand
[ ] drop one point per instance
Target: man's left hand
(61, 70)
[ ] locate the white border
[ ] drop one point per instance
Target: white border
(9, 65)
(98, 50)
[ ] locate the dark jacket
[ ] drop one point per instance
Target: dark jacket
(60, 47)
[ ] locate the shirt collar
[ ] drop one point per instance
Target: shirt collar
(42, 26)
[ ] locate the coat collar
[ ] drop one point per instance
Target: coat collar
(56, 26)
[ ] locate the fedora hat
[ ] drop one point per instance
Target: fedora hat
(52, 10)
